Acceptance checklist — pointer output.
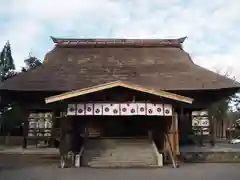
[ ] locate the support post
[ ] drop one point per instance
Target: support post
(176, 133)
(53, 131)
(66, 146)
(172, 140)
(25, 124)
(212, 130)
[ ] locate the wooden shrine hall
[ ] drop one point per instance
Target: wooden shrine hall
(115, 102)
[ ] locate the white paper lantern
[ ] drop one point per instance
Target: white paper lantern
(98, 109)
(133, 109)
(48, 124)
(196, 121)
(107, 109)
(47, 132)
(115, 109)
(41, 115)
(204, 121)
(41, 124)
(32, 115)
(151, 109)
(48, 115)
(39, 134)
(71, 110)
(89, 109)
(167, 110)
(80, 109)
(205, 131)
(32, 124)
(125, 109)
(31, 133)
(141, 108)
(159, 109)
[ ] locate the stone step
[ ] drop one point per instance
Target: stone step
(119, 153)
(120, 164)
(117, 142)
(110, 153)
(130, 146)
(121, 158)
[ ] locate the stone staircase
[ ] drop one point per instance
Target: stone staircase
(119, 153)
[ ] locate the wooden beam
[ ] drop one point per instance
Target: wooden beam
(160, 93)
(97, 88)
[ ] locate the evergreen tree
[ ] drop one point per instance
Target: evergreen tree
(7, 66)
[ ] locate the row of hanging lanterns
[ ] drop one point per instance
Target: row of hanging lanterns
(117, 109)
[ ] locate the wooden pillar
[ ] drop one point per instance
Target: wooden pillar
(212, 130)
(176, 133)
(25, 115)
(66, 141)
(53, 132)
(168, 140)
(173, 134)
(171, 143)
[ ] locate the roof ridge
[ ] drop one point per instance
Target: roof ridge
(177, 42)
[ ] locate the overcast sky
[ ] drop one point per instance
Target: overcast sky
(212, 28)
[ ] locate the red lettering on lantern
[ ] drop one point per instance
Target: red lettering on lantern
(150, 111)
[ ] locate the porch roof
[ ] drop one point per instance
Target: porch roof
(110, 85)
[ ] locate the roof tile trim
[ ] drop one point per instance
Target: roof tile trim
(119, 42)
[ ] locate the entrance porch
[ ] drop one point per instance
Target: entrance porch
(120, 141)
(120, 111)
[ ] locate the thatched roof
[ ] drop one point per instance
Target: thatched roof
(156, 64)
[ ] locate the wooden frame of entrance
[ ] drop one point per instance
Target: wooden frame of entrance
(110, 85)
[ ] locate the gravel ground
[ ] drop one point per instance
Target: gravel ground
(186, 171)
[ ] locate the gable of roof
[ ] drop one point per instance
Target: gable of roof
(101, 87)
(69, 67)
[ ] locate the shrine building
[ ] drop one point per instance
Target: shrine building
(129, 99)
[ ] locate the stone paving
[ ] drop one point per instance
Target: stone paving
(186, 171)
